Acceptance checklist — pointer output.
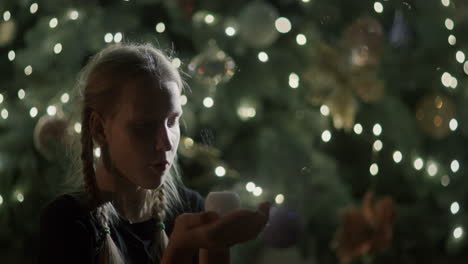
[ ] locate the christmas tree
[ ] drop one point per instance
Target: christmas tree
(349, 115)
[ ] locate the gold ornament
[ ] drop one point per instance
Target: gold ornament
(434, 113)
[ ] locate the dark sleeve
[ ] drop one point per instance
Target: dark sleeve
(65, 235)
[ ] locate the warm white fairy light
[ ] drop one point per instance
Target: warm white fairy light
(257, 191)
(28, 70)
(53, 22)
(220, 171)
(1, 200)
(250, 186)
(65, 98)
(397, 156)
(301, 39)
(458, 232)
(446, 79)
(293, 80)
(465, 67)
(377, 129)
(432, 169)
(283, 25)
(454, 208)
(445, 2)
(208, 102)
(176, 62)
(449, 23)
(230, 31)
(418, 163)
(305, 1)
(453, 83)
(246, 112)
(445, 180)
(326, 136)
(188, 142)
(378, 145)
(4, 113)
(279, 199)
(21, 94)
(453, 124)
(73, 15)
(33, 8)
(454, 166)
(57, 48)
(33, 112)
(1, 98)
(11, 55)
(374, 169)
(19, 197)
(6, 15)
(160, 27)
(77, 127)
(460, 56)
(452, 40)
(183, 100)
(209, 19)
(378, 7)
(108, 37)
(118, 37)
(51, 110)
(324, 110)
(97, 152)
(357, 128)
(263, 56)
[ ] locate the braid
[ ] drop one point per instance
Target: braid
(109, 254)
(159, 213)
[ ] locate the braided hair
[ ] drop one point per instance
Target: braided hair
(100, 84)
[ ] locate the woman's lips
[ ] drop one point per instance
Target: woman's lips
(159, 166)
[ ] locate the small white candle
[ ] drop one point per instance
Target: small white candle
(222, 202)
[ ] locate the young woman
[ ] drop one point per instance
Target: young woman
(132, 197)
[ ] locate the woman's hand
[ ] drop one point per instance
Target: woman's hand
(208, 230)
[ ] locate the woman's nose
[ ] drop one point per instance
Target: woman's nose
(163, 142)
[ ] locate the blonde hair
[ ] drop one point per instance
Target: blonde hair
(100, 83)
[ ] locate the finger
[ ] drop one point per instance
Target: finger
(192, 220)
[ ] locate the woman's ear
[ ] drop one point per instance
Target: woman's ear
(96, 125)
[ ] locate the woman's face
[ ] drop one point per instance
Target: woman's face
(143, 136)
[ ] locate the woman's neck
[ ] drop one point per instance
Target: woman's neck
(131, 201)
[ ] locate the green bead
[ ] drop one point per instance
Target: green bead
(106, 230)
(161, 225)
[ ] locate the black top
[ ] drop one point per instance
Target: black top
(70, 232)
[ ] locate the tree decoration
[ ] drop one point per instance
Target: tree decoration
(433, 113)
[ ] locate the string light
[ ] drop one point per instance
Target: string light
(458, 232)
(465, 67)
(220, 171)
(1, 98)
(53, 22)
(453, 124)
(28, 70)
(20, 197)
(65, 98)
(246, 112)
(33, 112)
(4, 113)
(449, 23)
(11, 55)
(118, 37)
(176, 62)
(454, 166)
(58, 48)
(108, 37)
(445, 2)
(188, 142)
(97, 152)
(208, 102)
(378, 145)
(418, 164)
(6, 15)
(460, 56)
(445, 180)
(453, 83)
(374, 169)
(283, 25)
(160, 27)
(250, 186)
(326, 136)
(432, 169)
(21, 94)
(1, 200)
(51, 110)
(377, 129)
(305, 1)
(378, 7)
(324, 110)
(454, 207)
(183, 100)
(446, 79)
(452, 40)
(257, 191)
(33, 8)
(279, 199)
(77, 127)
(209, 19)
(357, 128)
(293, 80)
(74, 15)
(262, 56)
(397, 156)
(230, 31)
(301, 39)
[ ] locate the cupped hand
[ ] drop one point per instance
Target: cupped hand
(210, 231)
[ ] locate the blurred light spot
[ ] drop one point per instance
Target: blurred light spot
(378, 145)
(77, 127)
(432, 169)
(160, 27)
(51, 110)
(377, 129)
(453, 124)
(293, 80)
(445, 180)
(452, 40)
(220, 171)
(33, 112)
(283, 25)
(324, 110)
(6, 15)
(65, 98)
(118, 37)
(4, 113)
(250, 186)
(418, 164)
(11, 55)
(208, 102)
(176, 62)
(230, 31)
(183, 100)
(28, 70)
(33, 8)
(454, 208)
(454, 166)
(108, 38)
(397, 156)
(57, 48)
(357, 128)
(53, 23)
(209, 19)
(262, 56)
(257, 191)
(301, 39)
(378, 7)
(458, 233)
(460, 56)
(326, 136)
(21, 94)
(374, 169)
(74, 15)
(279, 199)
